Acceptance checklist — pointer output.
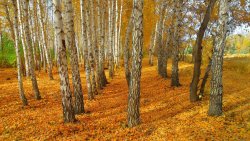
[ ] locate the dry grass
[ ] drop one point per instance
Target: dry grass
(166, 112)
(241, 65)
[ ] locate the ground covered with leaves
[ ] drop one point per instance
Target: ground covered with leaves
(166, 113)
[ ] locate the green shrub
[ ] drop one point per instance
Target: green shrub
(7, 52)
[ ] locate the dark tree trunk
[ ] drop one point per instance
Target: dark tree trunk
(204, 80)
(103, 79)
(161, 51)
(126, 49)
(198, 53)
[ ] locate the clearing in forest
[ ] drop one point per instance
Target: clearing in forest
(166, 112)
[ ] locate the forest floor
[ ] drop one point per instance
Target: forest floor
(166, 113)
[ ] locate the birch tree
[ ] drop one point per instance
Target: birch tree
(36, 34)
(31, 24)
(91, 48)
(137, 45)
(67, 104)
(85, 29)
(161, 53)
(116, 49)
(21, 34)
(111, 5)
(44, 40)
(30, 48)
(126, 49)
(176, 43)
(95, 46)
(152, 46)
(101, 39)
(119, 39)
(98, 7)
(216, 91)
(70, 44)
(14, 26)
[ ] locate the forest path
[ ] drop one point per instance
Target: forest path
(166, 112)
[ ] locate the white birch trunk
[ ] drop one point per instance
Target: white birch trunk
(18, 55)
(119, 39)
(21, 33)
(84, 30)
(44, 40)
(216, 91)
(71, 45)
(67, 104)
(91, 48)
(30, 50)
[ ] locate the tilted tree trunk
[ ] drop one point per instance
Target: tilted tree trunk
(206, 75)
(198, 53)
(7, 11)
(176, 43)
(216, 91)
(70, 44)
(204, 80)
(18, 53)
(86, 46)
(68, 110)
(137, 44)
(30, 49)
(25, 50)
(44, 40)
